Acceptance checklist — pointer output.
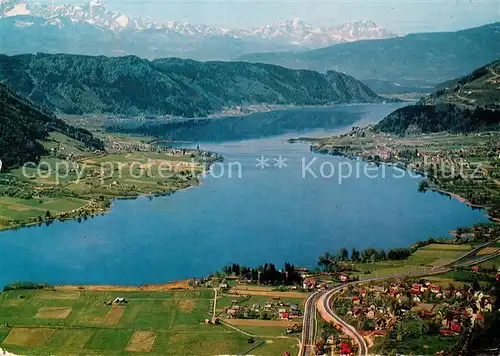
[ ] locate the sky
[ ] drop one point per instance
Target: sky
(400, 16)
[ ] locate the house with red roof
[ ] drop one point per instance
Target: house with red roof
(417, 286)
(456, 328)
(435, 288)
(284, 315)
(310, 283)
(345, 349)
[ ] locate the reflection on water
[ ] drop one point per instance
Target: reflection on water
(267, 215)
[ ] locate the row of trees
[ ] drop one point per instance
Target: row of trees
(267, 274)
(329, 261)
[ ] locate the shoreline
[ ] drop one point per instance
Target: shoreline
(183, 284)
(110, 202)
(107, 205)
(435, 188)
(226, 115)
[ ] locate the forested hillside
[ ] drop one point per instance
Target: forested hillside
(468, 104)
(23, 126)
(481, 88)
(420, 118)
(75, 84)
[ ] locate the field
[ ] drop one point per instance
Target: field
(491, 264)
(21, 209)
(79, 322)
(423, 259)
(74, 183)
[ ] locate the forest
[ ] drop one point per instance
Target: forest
(418, 118)
(24, 125)
(75, 84)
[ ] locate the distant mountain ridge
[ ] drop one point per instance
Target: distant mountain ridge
(415, 59)
(23, 125)
(91, 29)
(469, 104)
(130, 85)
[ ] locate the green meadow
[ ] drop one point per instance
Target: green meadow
(46, 322)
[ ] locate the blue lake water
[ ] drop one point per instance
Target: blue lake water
(267, 215)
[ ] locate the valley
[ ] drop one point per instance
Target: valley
(249, 185)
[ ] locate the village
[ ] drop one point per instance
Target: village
(422, 315)
(444, 155)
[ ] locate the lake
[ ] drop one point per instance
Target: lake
(290, 212)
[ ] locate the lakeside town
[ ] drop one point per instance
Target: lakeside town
(462, 165)
(447, 309)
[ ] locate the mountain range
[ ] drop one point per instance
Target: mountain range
(24, 125)
(93, 30)
(471, 103)
(76, 84)
(421, 59)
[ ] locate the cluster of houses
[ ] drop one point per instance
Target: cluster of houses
(310, 284)
(340, 345)
(452, 307)
(431, 153)
(273, 309)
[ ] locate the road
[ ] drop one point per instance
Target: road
(307, 346)
(326, 301)
(324, 298)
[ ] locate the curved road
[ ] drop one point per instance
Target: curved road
(325, 298)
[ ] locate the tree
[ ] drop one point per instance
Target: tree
(355, 255)
(343, 254)
(423, 186)
(475, 284)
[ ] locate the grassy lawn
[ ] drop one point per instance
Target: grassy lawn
(45, 322)
(265, 331)
(20, 209)
(424, 345)
(423, 259)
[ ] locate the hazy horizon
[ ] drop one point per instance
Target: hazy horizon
(426, 15)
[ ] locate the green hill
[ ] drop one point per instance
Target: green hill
(481, 88)
(75, 84)
(23, 126)
(469, 104)
(415, 59)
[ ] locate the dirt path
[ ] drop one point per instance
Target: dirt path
(258, 322)
(264, 293)
(177, 285)
(215, 303)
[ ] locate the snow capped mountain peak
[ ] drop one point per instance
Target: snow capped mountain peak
(17, 9)
(300, 33)
(359, 30)
(118, 33)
